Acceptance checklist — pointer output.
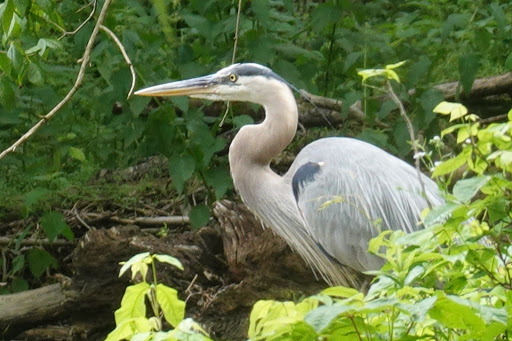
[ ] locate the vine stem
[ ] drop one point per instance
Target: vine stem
(410, 128)
(78, 83)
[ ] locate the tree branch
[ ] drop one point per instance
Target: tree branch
(410, 128)
(78, 83)
(125, 55)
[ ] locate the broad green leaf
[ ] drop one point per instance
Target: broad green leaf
(169, 260)
(219, 179)
(76, 153)
(241, 120)
(34, 74)
(7, 96)
(17, 264)
(133, 304)
(499, 16)
(122, 331)
(508, 62)
(181, 168)
(321, 317)
(418, 70)
(465, 189)
(54, 224)
(172, 307)
(342, 292)
(6, 14)
(439, 214)
(39, 260)
(468, 67)
(19, 285)
(451, 165)
(199, 216)
(5, 63)
(455, 315)
(143, 257)
(261, 9)
(455, 110)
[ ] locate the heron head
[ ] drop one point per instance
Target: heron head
(246, 82)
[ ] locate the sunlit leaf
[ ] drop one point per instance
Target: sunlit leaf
(133, 303)
(169, 260)
(172, 307)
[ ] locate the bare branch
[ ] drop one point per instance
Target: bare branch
(78, 83)
(94, 3)
(35, 242)
(125, 55)
(410, 128)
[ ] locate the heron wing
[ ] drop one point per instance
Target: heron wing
(358, 191)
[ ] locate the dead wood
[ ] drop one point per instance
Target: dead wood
(34, 305)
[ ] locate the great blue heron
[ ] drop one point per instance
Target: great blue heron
(339, 192)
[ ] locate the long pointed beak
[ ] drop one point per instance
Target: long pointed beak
(194, 86)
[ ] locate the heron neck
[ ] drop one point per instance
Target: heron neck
(257, 145)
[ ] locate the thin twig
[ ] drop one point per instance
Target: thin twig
(94, 3)
(233, 58)
(78, 83)
(35, 241)
(125, 55)
(237, 25)
(410, 128)
(79, 218)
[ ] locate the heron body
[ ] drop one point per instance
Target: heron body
(338, 193)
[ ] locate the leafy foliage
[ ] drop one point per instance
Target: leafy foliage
(131, 318)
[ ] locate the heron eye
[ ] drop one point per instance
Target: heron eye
(233, 78)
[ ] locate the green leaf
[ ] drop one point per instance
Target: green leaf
(5, 63)
(451, 165)
(18, 285)
(169, 260)
(133, 304)
(17, 264)
(321, 317)
(455, 110)
(468, 67)
(499, 16)
(7, 96)
(261, 9)
(39, 260)
(465, 189)
(181, 169)
(418, 70)
(325, 14)
(172, 307)
(508, 62)
(341, 292)
(76, 153)
(34, 74)
(143, 257)
(6, 13)
(241, 120)
(219, 179)
(54, 224)
(199, 216)
(455, 315)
